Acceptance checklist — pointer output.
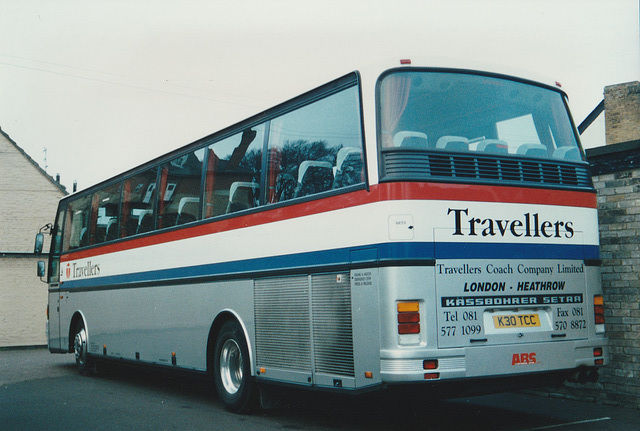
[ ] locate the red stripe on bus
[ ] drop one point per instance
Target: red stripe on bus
(380, 192)
(480, 193)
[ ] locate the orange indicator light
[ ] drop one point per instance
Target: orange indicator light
(408, 307)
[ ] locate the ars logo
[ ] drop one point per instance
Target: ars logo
(523, 358)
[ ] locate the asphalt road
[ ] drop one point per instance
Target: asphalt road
(40, 391)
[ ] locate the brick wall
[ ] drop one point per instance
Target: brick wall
(616, 177)
(28, 201)
(622, 112)
(618, 189)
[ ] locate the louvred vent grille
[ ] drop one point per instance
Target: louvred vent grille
(423, 165)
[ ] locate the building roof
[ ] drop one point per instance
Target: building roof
(44, 173)
(614, 158)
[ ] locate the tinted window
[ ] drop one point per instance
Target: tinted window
(472, 113)
(233, 172)
(56, 248)
(77, 225)
(108, 208)
(179, 200)
(316, 148)
(138, 202)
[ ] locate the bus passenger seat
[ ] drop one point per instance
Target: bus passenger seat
(146, 222)
(131, 226)
(112, 229)
(567, 153)
(188, 210)
(453, 143)
(101, 232)
(285, 187)
(242, 195)
(84, 237)
(349, 167)
(220, 203)
(314, 177)
(495, 146)
(409, 139)
(533, 150)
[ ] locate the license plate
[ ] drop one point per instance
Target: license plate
(516, 321)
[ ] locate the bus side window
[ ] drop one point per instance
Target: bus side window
(77, 227)
(232, 177)
(56, 247)
(316, 148)
(107, 217)
(179, 193)
(138, 202)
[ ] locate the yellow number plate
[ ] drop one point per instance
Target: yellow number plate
(516, 321)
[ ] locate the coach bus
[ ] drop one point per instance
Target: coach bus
(423, 227)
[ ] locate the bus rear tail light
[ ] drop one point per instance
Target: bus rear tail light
(430, 364)
(597, 353)
(412, 317)
(409, 322)
(598, 313)
(409, 328)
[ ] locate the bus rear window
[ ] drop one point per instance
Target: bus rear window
(462, 112)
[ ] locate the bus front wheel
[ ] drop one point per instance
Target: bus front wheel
(83, 361)
(232, 370)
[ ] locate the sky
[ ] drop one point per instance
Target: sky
(107, 85)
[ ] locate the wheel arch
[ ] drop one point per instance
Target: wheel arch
(223, 317)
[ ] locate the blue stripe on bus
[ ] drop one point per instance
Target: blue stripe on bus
(456, 250)
(374, 254)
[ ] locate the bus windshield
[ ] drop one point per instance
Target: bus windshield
(463, 112)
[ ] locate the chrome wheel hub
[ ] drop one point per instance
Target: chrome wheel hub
(231, 365)
(80, 346)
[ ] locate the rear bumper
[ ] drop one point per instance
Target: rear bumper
(398, 366)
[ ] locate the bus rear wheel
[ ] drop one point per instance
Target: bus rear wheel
(232, 370)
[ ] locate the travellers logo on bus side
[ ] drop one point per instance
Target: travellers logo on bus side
(73, 270)
(529, 225)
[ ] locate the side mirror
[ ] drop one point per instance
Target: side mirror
(41, 269)
(37, 248)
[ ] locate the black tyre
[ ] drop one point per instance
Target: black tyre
(84, 362)
(232, 370)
